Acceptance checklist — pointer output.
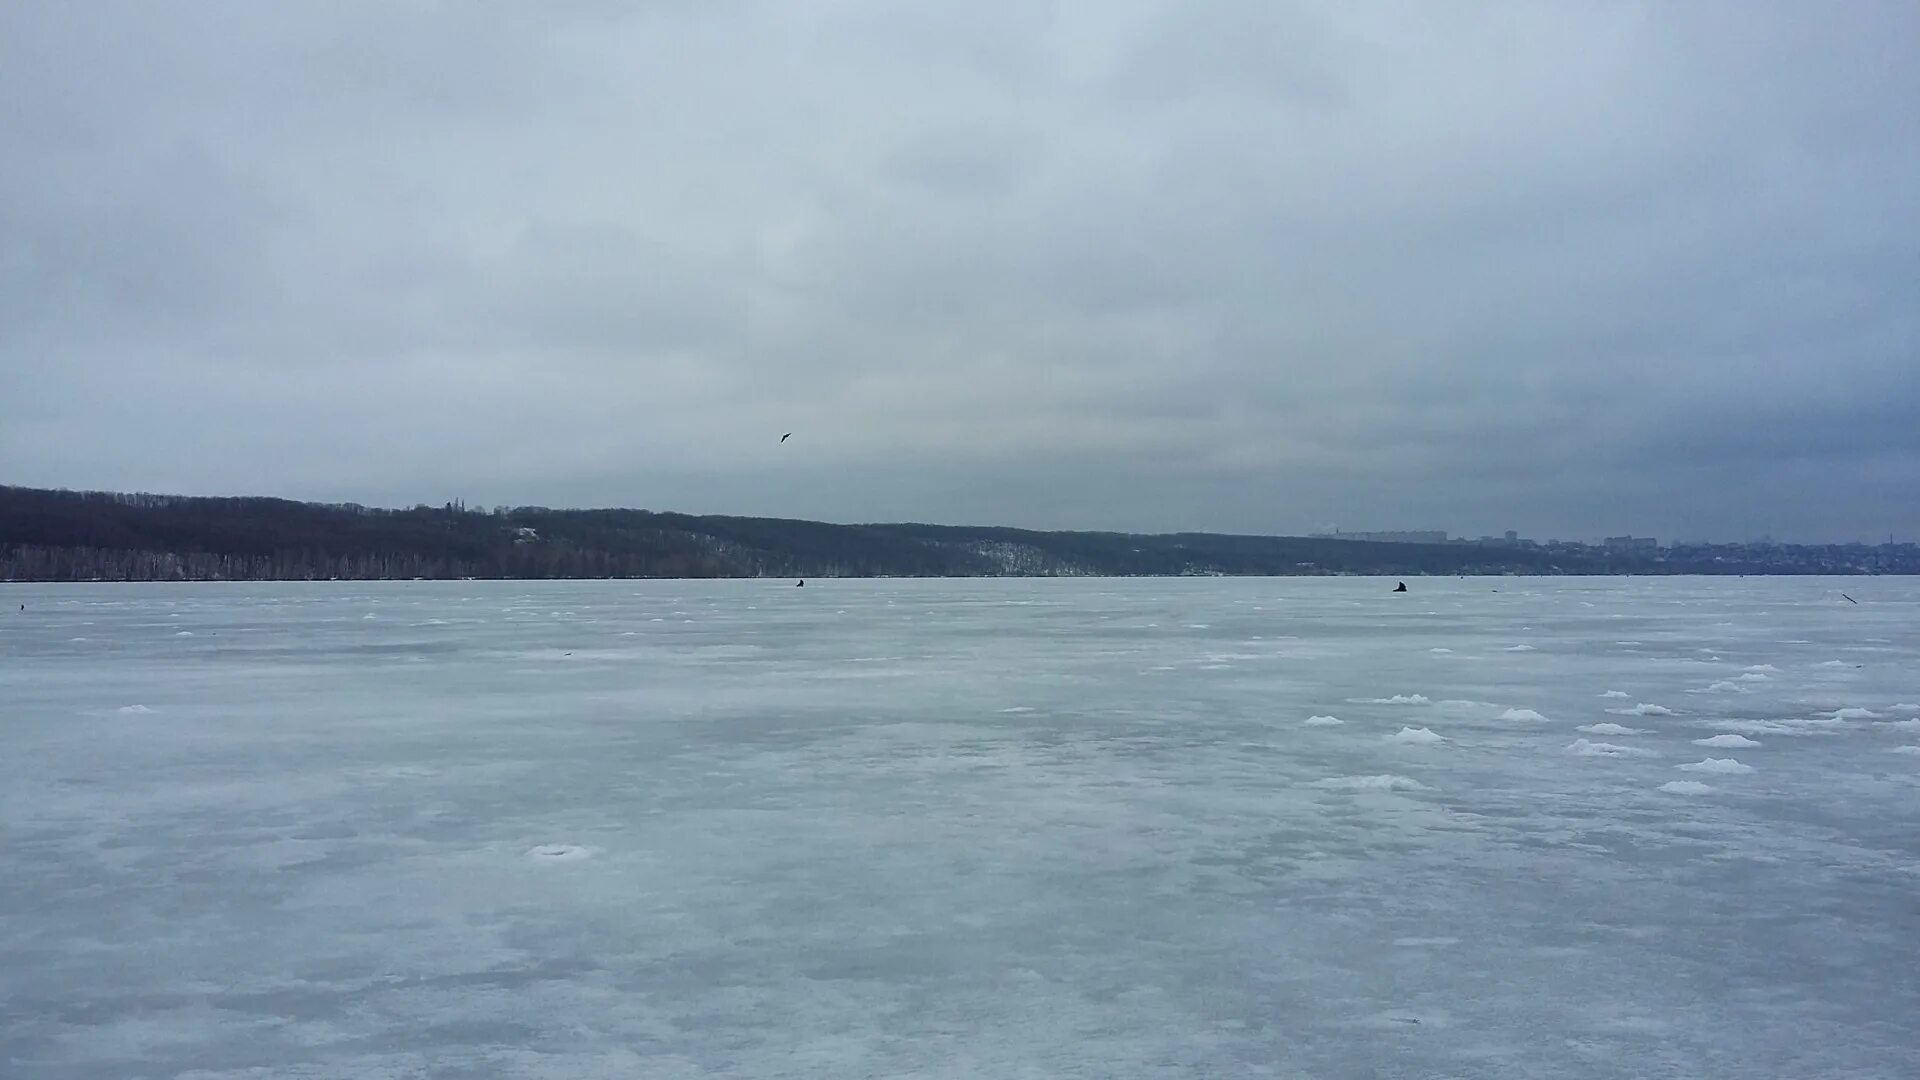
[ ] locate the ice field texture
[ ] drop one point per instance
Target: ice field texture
(991, 828)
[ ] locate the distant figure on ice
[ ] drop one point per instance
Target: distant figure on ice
(1402, 587)
(802, 584)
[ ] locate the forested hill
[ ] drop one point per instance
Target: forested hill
(99, 536)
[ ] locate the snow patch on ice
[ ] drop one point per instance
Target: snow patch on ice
(1380, 782)
(1610, 729)
(1905, 750)
(1686, 787)
(1836, 664)
(1589, 748)
(1904, 725)
(1643, 709)
(134, 709)
(1321, 721)
(1755, 676)
(1439, 650)
(1761, 668)
(1906, 706)
(1727, 740)
(1722, 765)
(1854, 714)
(1519, 648)
(1416, 736)
(1614, 694)
(1724, 687)
(1780, 727)
(184, 633)
(1521, 714)
(1398, 699)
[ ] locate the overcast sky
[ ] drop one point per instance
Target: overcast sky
(1569, 268)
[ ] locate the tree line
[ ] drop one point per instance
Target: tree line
(53, 535)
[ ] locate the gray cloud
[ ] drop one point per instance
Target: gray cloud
(1571, 268)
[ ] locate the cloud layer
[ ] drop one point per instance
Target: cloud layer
(1571, 269)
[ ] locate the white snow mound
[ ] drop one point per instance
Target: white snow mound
(1401, 699)
(1610, 729)
(1643, 709)
(1729, 739)
(1589, 748)
(1614, 694)
(1521, 714)
(1723, 765)
(1381, 782)
(1520, 648)
(1416, 736)
(1685, 787)
(135, 709)
(1322, 721)
(1854, 714)
(1905, 750)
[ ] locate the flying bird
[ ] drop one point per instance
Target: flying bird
(787, 436)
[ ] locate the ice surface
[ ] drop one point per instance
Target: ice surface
(1002, 828)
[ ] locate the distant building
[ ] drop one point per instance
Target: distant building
(1415, 536)
(1630, 543)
